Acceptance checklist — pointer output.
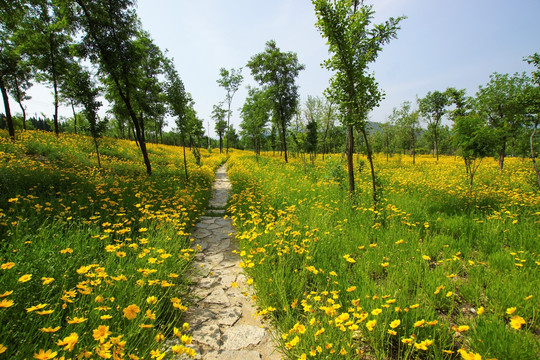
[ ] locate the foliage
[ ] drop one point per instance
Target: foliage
(276, 71)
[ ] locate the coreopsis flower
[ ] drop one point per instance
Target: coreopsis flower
(394, 324)
(516, 322)
(131, 312)
(76, 320)
(101, 333)
(50, 329)
(25, 278)
(69, 341)
(45, 355)
(5, 303)
(371, 324)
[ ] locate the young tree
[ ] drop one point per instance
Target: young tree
(312, 114)
(85, 92)
(327, 120)
(11, 15)
(219, 114)
(531, 102)
(230, 80)
(110, 29)
(276, 71)
(408, 124)
(499, 102)
(345, 24)
(178, 101)
(45, 39)
(255, 116)
(433, 107)
(474, 141)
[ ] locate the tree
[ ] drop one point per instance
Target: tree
(178, 101)
(499, 102)
(327, 120)
(312, 114)
(276, 71)
(10, 17)
(345, 24)
(433, 107)
(230, 80)
(474, 141)
(219, 114)
(85, 92)
(110, 28)
(45, 39)
(531, 102)
(255, 116)
(408, 123)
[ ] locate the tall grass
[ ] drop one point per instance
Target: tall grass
(93, 261)
(436, 273)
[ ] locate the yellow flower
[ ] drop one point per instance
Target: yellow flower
(47, 280)
(419, 323)
(394, 324)
(392, 332)
(7, 293)
(151, 300)
(371, 324)
(69, 341)
(511, 310)
(131, 312)
(7, 266)
(50, 329)
(105, 317)
(516, 322)
(481, 310)
(376, 312)
(45, 355)
(101, 333)
(45, 312)
(36, 307)
(425, 257)
(25, 278)
(2, 348)
(76, 320)
(351, 289)
(5, 303)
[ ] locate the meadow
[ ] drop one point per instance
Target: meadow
(435, 273)
(93, 261)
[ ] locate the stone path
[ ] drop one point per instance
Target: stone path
(223, 319)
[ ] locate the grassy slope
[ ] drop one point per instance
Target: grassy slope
(96, 244)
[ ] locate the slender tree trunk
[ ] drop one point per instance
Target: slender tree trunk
(220, 143)
(9, 119)
(74, 117)
(19, 101)
(502, 153)
(185, 160)
(373, 176)
(436, 143)
(350, 154)
(55, 83)
(24, 114)
(97, 152)
(284, 140)
(413, 147)
(533, 156)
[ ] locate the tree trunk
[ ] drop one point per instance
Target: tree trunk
(413, 147)
(350, 153)
(502, 153)
(373, 177)
(436, 143)
(533, 157)
(97, 152)
(24, 114)
(9, 119)
(284, 140)
(220, 143)
(55, 83)
(185, 160)
(74, 117)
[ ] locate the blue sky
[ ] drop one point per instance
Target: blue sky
(441, 43)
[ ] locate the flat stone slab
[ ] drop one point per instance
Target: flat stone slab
(229, 316)
(218, 297)
(209, 335)
(242, 336)
(233, 355)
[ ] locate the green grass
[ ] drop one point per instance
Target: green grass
(308, 247)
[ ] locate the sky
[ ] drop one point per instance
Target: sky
(441, 43)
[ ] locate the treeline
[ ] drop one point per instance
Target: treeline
(86, 49)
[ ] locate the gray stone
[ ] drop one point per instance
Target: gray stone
(196, 317)
(242, 336)
(217, 296)
(207, 283)
(233, 355)
(201, 233)
(229, 316)
(208, 335)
